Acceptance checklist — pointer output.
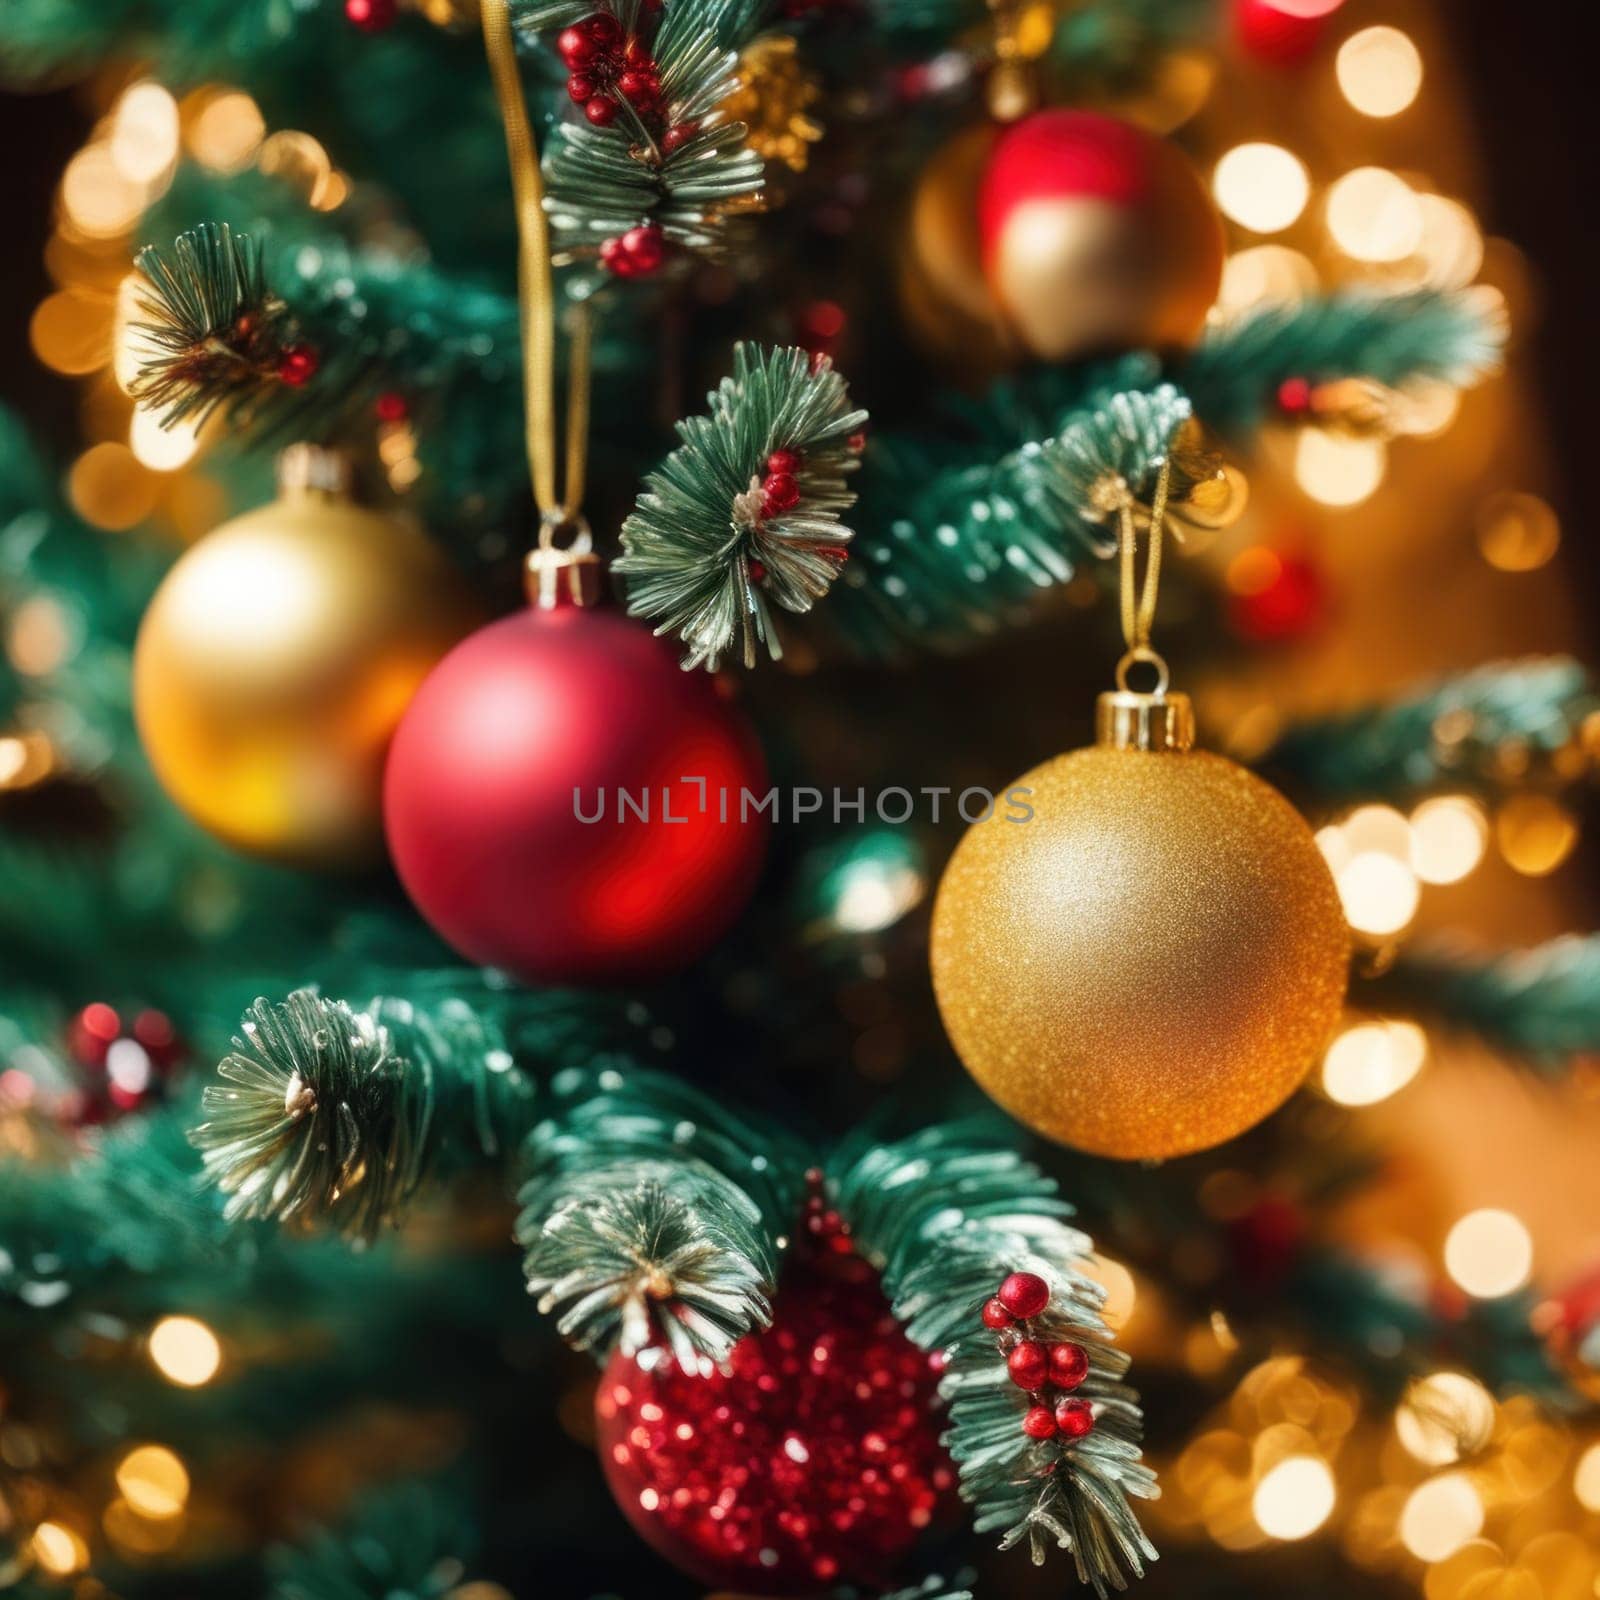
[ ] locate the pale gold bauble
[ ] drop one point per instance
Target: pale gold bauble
(276, 659)
(1150, 962)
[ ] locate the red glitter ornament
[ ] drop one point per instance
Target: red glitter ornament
(814, 1460)
(1024, 1295)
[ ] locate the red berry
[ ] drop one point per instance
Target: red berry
(995, 1315)
(92, 1033)
(1069, 1365)
(371, 16)
(677, 136)
(1074, 1418)
(601, 111)
(757, 572)
(856, 443)
(154, 1030)
(582, 87)
(636, 88)
(1024, 1294)
(644, 247)
(576, 47)
(391, 406)
(1294, 396)
(781, 491)
(1039, 1423)
(1028, 1364)
(298, 365)
(604, 29)
(786, 462)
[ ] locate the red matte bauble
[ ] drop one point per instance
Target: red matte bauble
(1281, 33)
(814, 1460)
(563, 802)
(1096, 235)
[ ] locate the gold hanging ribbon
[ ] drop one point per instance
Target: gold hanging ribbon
(536, 297)
(1139, 600)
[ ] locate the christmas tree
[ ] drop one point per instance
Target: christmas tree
(504, 860)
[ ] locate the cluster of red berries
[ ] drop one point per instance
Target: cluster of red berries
(1048, 1372)
(780, 489)
(604, 68)
(635, 254)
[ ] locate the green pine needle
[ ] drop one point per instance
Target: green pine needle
(316, 1117)
(1543, 1003)
(652, 1212)
(1456, 732)
(702, 557)
(946, 1215)
(213, 333)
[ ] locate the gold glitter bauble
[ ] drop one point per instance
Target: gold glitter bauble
(276, 659)
(1150, 962)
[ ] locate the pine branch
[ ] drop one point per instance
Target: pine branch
(709, 544)
(602, 181)
(337, 1113)
(408, 1541)
(1236, 371)
(650, 1211)
(1542, 1003)
(935, 1588)
(958, 551)
(961, 534)
(227, 324)
(1478, 730)
(947, 1215)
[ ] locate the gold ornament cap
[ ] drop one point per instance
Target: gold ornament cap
(1127, 720)
(307, 470)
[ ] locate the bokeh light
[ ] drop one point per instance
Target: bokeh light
(1517, 532)
(1379, 71)
(1262, 187)
(153, 1481)
(1265, 274)
(1338, 469)
(1445, 1418)
(1535, 834)
(1586, 1479)
(226, 131)
(1373, 1060)
(1489, 1253)
(1294, 1498)
(1374, 216)
(58, 1549)
(185, 1351)
(110, 487)
(1379, 894)
(144, 133)
(1448, 837)
(98, 199)
(1440, 1516)
(161, 449)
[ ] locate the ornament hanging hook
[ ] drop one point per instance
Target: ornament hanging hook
(1139, 599)
(536, 297)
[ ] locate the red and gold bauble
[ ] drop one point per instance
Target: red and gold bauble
(1095, 235)
(276, 659)
(812, 1460)
(564, 802)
